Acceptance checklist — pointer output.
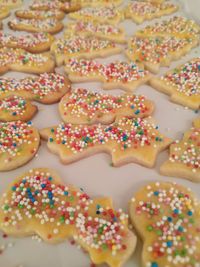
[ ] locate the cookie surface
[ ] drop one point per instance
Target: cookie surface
(11, 4)
(68, 213)
(167, 217)
(98, 3)
(19, 142)
(39, 14)
(4, 12)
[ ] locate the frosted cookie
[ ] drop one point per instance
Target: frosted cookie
(142, 11)
(4, 12)
(127, 140)
(34, 25)
(85, 107)
(34, 43)
(98, 3)
(14, 108)
(101, 30)
(39, 202)
(118, 74)
(40, 14)
(19, 142)
(167, 217)
(11, 4)
(182, 84)
(23, 61)
(82, 46)
(48, 88)
(155, 52)
(184, 157)
(101, 14)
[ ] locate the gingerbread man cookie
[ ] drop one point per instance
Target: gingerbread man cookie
(19, 142)
(184, 157)
(38, 202)
(48, 88)
(182, 84)
(40, 14)
(85, 107)
(167, 217)
(127, 140)
(118, 74)
(4, 12)
(11, 4)
(23, 61)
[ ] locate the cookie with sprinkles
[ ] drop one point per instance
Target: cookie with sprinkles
(167, 218)
(157, 51)
(82, 47)
(11, 4)
(140, 11)
(39, 202)
(19, 142)
(23, 61)
(101, 14)
(51, 25)
(4, 12)
(101, 30)
(84, 107)
(33, 43)
(184, 156)
(39, 14)
(14, 108)
(127, 140)
(118, 74)
(47, 88)
(99, 3)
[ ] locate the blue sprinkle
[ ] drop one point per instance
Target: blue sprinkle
(176, 211)
(190, 213)
(169, 244)
(132, 106)
(43, 185)
(169, 219)
(154, 264)
(156, 193)
(180, 229)
(66, 193)
(137, 112)
(50, 178)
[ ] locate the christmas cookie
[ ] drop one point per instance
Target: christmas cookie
(127, 140)
(85, 107)
(184, 157)
(39, 202)
(82, 46)
(118, 74)
(11, 4)
(167, 218)
(34, 25)
(101, 30)
(23, 61)
(155, 52)
(140, 11)
(182, 84)
(4, 12)
(48, 88)
(40, 14)
(33, 43)
(19, 142)
(14, 108)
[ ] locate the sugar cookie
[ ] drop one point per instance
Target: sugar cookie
(39, 14)
(98, 3)
(48, 88)
(14, 108)
(11, 4)
(84, 107)
(127, 140)
(34, 43)
(19, 142)
(4, 12)
(182, 84)
(38, 202)
(167, 217)
(81, 46)
(34, 25)
(184, 157)
(118, 74)
(20, 60)
(140, 11)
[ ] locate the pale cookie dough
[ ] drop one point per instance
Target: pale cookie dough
(68, 213)
(116, 75)
(4, 12)
(48, 88)
(23, 61)
(11, 4)
(184, 157)
(14, 108)
(101, 14)
(142, 11)
(155, 52)
(52, 26)
(181, 83)
(127, 140)
(84, 107)
(101, 30)
(19, 142)
(39, 14)
(167, 218)
(33, 43)
(82, 47)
